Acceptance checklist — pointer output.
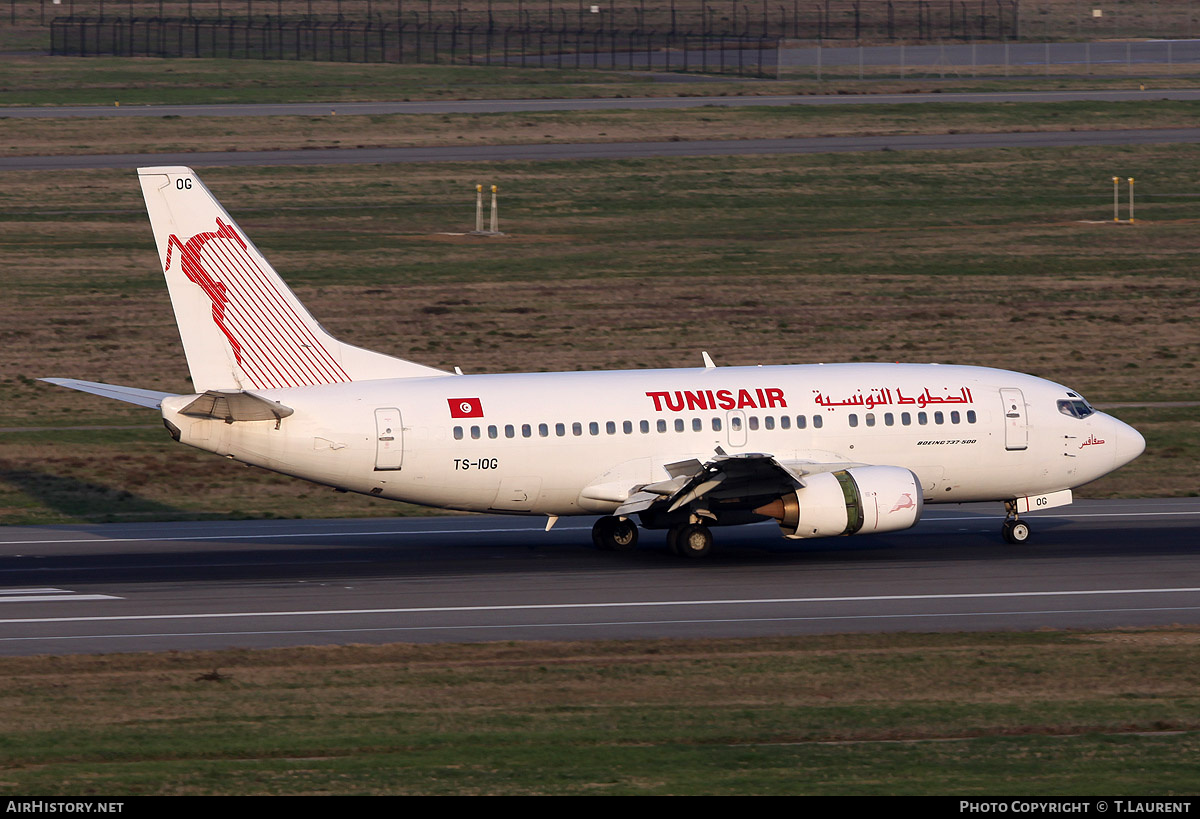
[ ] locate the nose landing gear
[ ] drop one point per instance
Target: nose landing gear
(1015, 531)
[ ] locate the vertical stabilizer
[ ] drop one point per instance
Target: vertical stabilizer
(242, 327)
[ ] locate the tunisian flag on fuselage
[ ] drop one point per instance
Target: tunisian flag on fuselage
(465, 407)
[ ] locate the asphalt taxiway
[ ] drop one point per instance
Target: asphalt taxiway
(610, 150)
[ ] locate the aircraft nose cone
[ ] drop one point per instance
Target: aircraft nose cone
(1130, 443)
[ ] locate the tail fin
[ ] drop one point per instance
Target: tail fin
(242, 327)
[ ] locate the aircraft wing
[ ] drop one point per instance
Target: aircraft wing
(130, 395)
(725, 478)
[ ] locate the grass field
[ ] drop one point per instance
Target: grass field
(38, 81)
(1046, 713)
(1003, 258)
(37, 137)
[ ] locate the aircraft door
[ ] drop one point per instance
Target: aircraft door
(735, 423)
(1016, 426)
(389, 439)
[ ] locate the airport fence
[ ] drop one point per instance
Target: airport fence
(1142, 59)
(859, 21)
(600, 48)
(367, 42)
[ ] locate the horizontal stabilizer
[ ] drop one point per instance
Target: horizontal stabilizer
(130, 395)
(230, 406)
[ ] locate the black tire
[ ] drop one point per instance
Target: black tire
(693, 541)
(613, 534)
(1015, 532)
(673, 539)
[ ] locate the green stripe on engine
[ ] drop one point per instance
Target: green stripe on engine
(854, 511)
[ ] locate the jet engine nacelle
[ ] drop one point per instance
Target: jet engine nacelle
(860, 500)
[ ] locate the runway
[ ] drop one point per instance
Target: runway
(114, 588)
(610, 150)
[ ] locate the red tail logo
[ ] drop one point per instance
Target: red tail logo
(189, 259)
(273, 343)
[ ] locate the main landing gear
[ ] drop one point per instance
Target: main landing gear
(690, 540)
(1015, 531)
(613, 534)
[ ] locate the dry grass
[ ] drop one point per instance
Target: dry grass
(984, 258)
(30, 137)
(1055, 712)
(826, 672)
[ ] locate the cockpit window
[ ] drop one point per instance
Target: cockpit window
(1076, 407)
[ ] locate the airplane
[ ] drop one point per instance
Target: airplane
(825, 450)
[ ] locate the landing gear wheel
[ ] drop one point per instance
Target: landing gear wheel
(673, 539)
(613, 534)
(694, 540)
(1015, 531)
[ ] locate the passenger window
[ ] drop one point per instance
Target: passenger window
(906, 418)
(753, 421)
(610, 427)
(818, 422)
(510, 431)
(594, 428)
(939, 417)
(679, 425)
(716, 425)
(544, 430)
(458, 433)
(801, 422)
(697, 425)
(735, 423)
(560, 429)
(970, 416)
(644, 426)
(526, 431)
(475, 432)
(955, 417)
(922, 418)
(785, 422)
(853, 419)
(627, 427)
(492, 431)
(889, 419)
(576, 429)
(769, 422)
(662, 425)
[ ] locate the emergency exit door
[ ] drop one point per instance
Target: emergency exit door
(389, 439)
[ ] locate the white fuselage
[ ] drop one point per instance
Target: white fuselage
(578, 443)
